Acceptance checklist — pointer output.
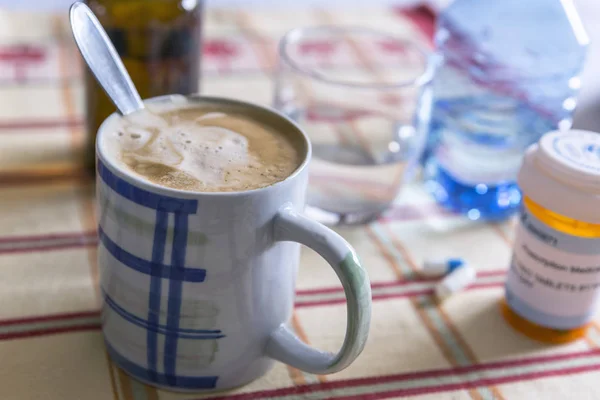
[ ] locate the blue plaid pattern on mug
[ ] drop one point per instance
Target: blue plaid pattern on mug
(175, 273)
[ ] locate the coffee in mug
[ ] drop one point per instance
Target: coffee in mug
(201, 148)
(199, 245)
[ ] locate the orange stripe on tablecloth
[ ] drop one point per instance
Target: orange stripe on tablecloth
(296, 375)
(498, 229)
(125, 384)
(364, 143)
(88, 219)
(462, 344)
(341, 136)
(475, 395)
(458, 336)
(435, 334)
(402, 250)
(151, 392)
(41, 174)
(391, 260)
(111, 374)
(591, 343)
(466, 348)
(302, 335)
(438, 339)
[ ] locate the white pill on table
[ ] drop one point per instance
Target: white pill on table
(439, 267)
(456, 281)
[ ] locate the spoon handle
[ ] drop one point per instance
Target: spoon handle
(103, 60)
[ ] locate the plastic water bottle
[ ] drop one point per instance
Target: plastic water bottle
(509, 73)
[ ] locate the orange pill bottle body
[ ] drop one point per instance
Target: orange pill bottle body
(553, 284)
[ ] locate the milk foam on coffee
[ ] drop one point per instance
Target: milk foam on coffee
(200, 149)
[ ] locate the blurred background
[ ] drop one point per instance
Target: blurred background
(587, 115)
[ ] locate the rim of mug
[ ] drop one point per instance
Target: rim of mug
(152, 187)
(293, 35)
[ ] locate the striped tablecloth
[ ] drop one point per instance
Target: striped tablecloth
(50, 340)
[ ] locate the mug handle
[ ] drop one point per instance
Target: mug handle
(283, 344)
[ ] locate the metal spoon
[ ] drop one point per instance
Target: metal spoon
(102, 58)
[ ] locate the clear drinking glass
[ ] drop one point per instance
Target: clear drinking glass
(364, 99)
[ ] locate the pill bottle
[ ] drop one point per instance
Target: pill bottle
(553, 284)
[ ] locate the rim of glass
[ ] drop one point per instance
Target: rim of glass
(294, 35)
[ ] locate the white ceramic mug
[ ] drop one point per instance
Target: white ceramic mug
(198, 287)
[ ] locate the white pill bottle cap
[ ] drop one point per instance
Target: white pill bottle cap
(562, 174)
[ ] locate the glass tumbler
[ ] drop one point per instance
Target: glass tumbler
(364, 99)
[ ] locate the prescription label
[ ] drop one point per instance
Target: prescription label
(554, 278)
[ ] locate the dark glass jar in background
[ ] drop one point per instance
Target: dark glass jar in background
(160, 44)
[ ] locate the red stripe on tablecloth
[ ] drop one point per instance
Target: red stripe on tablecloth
(49, 247)
(96, 313)
(301, 304)
(50, 331)
(422, 17)
(39, 124)
(89, 314)
(434, 373)
(376, 285)
(54, 241)
(472, 384)
(327, 386)
(414, 293)
(316, 303)
(47, 237)
(50, 318)
(495, 272)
